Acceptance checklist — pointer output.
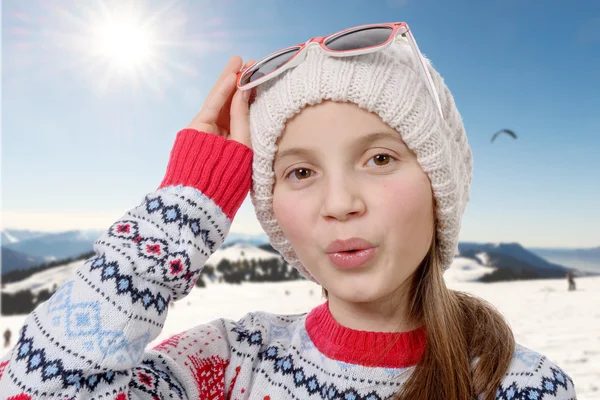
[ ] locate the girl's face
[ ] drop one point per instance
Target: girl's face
(341, 173)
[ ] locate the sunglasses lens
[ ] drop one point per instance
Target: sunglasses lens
(268, 66)
(359, 39)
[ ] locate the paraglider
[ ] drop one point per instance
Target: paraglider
(507, 131)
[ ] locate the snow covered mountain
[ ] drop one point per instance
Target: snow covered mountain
(24, 249)
(17, 235)
(511, 261)
(239, 252)
(461, 270)
(587, 259)
(466, 270)
(49, 279)
(13, 260)
(8, 238)
(248, 238)
(49, 246)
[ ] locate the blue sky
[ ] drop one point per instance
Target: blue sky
(82, 143)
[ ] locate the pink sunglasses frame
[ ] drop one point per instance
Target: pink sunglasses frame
(400, 33)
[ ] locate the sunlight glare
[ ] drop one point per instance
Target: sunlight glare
(120, 47)
(124, 43)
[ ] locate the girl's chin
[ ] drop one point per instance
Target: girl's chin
(354, 292)
(358, 298)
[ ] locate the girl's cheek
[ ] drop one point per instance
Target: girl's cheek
(405, 202)
(291, 212)
(283, 206)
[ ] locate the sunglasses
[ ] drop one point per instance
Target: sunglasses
(355, 41)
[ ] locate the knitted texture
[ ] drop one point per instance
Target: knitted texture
(260, 356)
(90, 339)
(387, 83)
(191, 164)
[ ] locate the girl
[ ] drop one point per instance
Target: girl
(360, 172)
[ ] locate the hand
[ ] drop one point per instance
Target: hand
(225, 110)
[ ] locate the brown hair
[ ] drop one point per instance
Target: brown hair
(469, 344)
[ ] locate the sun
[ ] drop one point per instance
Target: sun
(121, 47)
(124, 43)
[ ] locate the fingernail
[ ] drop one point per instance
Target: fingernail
(246, 95)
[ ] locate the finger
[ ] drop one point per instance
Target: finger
(248, 64)
(240, 116)
(233, 66)
(213, 105)
(240, 119)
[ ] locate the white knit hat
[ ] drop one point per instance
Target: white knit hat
(389, 84)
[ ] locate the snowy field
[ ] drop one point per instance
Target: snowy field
(565, 326)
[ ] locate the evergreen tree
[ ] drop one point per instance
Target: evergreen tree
(42, 296)
(17, 303)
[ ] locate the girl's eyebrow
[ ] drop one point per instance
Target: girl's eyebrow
(294, 151)
(383, 135)
(363, 141)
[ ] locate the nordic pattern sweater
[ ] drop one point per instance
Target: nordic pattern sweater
(89, 340)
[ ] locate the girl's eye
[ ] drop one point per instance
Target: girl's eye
(304, 173)
(381, 159)
(301, 173)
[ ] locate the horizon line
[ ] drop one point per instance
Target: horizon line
(3, 229)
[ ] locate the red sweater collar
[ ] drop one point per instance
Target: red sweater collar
(372, 349)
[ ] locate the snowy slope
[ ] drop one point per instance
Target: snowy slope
(461, 270)
(565, 326)
(56, 276)
(13, 260)
(543, 314)
(44, 280)
(8, 238)
(255, 239)
(18, 235)
(511, 256)
(466, 270)
(55, 246)
(238, 252)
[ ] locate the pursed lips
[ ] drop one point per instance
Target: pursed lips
(352, 244)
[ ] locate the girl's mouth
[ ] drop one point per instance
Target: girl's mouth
(351, 259)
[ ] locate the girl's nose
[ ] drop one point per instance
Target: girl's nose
(342, 200)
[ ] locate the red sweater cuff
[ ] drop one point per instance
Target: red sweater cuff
(221, 169)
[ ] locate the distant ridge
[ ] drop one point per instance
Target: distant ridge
(23, 249)
(44, 247)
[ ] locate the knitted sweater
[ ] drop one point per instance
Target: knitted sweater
(89, 340)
